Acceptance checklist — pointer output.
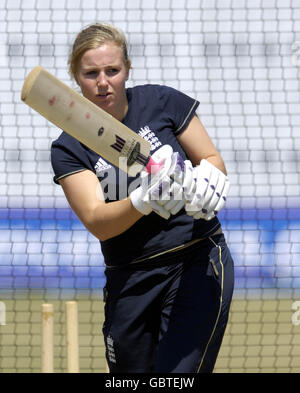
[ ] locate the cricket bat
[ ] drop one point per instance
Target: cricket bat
(86, 122)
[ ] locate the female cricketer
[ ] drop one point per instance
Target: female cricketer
(169, 272)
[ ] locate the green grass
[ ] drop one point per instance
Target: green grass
(260, 336)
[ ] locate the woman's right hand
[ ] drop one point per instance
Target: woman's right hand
(161, 192)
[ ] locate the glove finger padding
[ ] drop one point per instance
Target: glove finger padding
(173, 201)
(163, 157)
(210, 191)
(160, 210)
(139, 198)
(176, 198)
(220, 203)
(182, 173)
(170, 193)
(189, 182)
(218, 192)
(211, 179)
(223, 197)
(136, 197)
(178, 206)
(176, 170)
(163, 191)
(194, 206)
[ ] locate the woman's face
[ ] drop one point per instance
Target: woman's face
(101, 75)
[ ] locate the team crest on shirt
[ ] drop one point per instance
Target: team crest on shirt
(149, 135)
(101, 166)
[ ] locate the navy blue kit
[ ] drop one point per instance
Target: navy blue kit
(169, 283)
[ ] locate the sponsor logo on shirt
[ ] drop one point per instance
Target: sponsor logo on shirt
(101, 166)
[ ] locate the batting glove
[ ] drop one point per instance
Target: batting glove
(161, 192)
(208, 192)
(170, 194)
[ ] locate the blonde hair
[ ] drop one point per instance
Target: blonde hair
(93, 37)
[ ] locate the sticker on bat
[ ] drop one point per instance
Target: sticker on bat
(133, 152)
(120, 143)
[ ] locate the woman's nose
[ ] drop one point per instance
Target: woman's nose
(101, 81)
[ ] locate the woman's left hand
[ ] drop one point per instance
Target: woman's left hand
(208, 193)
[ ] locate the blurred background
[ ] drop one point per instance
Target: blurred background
(241, 60)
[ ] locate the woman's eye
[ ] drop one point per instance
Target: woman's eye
(113, 71)
(91, 73)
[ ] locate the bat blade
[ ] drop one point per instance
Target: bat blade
(85, 121)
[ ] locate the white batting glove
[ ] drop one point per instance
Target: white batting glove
(140, 199)
(159, 189)
(170, 194)
(208, 192)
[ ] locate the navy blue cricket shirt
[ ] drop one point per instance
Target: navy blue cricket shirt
(159, 114)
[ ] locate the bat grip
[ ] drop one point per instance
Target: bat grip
(153, 167)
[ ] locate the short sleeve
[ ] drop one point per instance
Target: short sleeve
(179, 107)
(68, 157)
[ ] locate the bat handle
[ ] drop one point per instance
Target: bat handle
(153, 167)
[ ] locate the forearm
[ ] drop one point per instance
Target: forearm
(197, 144)
(107, 220)
(103, 220)
(112, 219)
(218, 162)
